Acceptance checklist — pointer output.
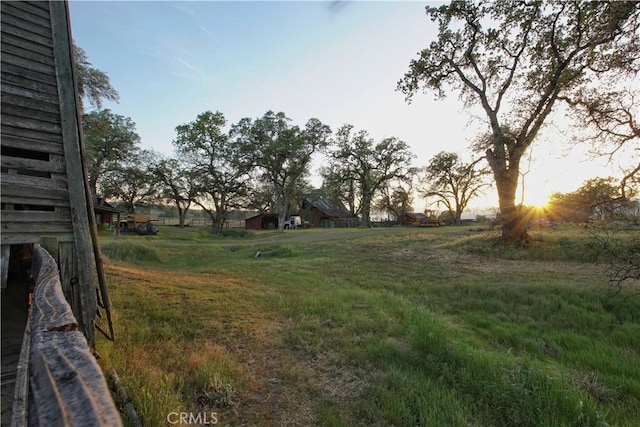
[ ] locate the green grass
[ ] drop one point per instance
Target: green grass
(380, 327)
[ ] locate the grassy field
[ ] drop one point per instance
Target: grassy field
(389, 326)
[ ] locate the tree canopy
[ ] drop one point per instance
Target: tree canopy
(92, 83)
(368, 163)
(219, 174)
(281, 153)
(177, 183)
(516, 60)
(110, 140)
(452, 182)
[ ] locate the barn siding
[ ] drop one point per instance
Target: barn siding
(40, 134)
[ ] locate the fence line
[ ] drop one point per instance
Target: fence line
(199, 222)
(65, 384)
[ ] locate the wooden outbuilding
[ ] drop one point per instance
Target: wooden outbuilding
(418, 219)
(263, 221)
(324, 213)
(105, 213)
(46, 203)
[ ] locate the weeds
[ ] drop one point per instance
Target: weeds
(409, 327)
(129, 252)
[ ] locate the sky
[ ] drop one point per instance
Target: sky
(336, 61)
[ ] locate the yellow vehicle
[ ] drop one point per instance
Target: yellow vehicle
(138, 223)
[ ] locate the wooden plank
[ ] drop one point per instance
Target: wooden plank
(52, 312)
(69, 275)
(27, 45)
(53, 148)
(25, 200)
(31, 164)
(26, 73)
(60, 216)
(30, 113)
(28, 93)
(37, 60)
(28, 123)
(7, 98)
(34, 181)
(67, 384)
(50, 244)
(42, 28)
(42, 196)
(14, 9)
(34, 8)
(31, 134)
(20, 81)
(29, 238)
(26, 34)
(23, 67)
(36, 227)
(5, 253)
(20, 406)
(71, 131)
(43, 5)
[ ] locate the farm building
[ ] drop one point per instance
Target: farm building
(323, 213)
(106, 214)
(264, 221)
(417, 219)
(414, 219)
(47, 228)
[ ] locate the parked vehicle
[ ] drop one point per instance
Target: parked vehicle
(294, 222)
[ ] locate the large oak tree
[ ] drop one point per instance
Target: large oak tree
(369, 164)
(516, 59)
(451, 181)
(281, 153)
(110, 141)
(220, 176)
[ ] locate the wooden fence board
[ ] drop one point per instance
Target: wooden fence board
(66, 384)
(31, 134)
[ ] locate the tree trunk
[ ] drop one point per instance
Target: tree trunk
(458, 217)
(181, 215)
(366, 209)
(282, 213)
(514, 227)
(93, 185)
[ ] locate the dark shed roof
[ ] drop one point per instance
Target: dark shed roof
(331, 209)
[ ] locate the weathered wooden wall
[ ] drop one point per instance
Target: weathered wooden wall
(42, 174)
(65, 384)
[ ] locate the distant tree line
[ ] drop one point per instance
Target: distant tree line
(518, 61)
